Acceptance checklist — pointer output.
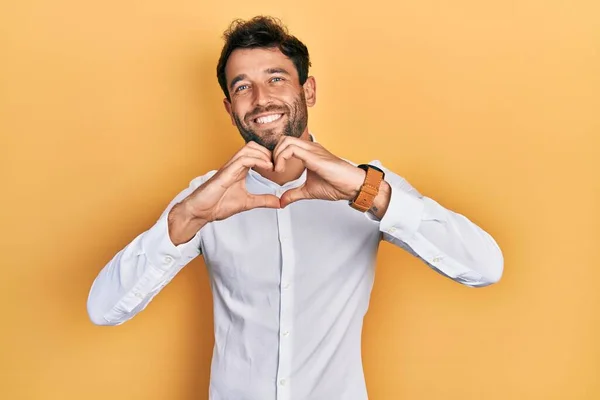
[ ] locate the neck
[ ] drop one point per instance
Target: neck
(293, 168)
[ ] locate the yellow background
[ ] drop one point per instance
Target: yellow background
(492, 108)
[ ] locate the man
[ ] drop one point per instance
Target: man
(289, 233)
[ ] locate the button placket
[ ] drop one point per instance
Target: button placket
(286, 303)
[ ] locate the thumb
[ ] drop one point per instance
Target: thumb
(262, 201)
(293, 195)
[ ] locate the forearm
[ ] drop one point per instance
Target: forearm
(137, 273)
(131, 279)
(458, 247)
(446, 240)
(182, 225)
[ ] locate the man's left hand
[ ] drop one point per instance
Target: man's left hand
(327, 178)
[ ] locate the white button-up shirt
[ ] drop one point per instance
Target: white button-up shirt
(291, 286)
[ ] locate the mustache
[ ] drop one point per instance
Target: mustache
(260, 110)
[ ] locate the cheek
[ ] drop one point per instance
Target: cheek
(239, 110)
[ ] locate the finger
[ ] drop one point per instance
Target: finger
(249, 152)
(253, 145)
(293, 195)
(289, 152)
(251, 148)
(286, 141)
(262, 201)
(241, 165)
(252, 161)
(258, 154)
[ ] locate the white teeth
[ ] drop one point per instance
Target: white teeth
(268, 118)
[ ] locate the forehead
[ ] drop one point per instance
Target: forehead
(255, 61)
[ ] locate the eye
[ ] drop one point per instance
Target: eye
(276, 79)
(240, 88)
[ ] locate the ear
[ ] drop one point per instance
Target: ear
(310, 91)
(227, 105)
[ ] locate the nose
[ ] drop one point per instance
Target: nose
(262, 95)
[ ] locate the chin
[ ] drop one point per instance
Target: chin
(267, 138)
(272, 135)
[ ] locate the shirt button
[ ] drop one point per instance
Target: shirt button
(167, 259)
(282, 382)
(392, 229)
(139, 295)
(286, 285)
(437, 259)
(286, 333)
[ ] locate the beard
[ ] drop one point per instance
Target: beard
(297, 120)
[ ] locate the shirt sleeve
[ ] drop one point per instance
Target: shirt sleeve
(446, 241)
(137, 273)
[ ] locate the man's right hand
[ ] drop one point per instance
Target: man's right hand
(222, 196)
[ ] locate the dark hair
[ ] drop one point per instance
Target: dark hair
(266, 32)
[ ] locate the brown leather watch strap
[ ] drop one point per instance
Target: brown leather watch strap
(369, 190)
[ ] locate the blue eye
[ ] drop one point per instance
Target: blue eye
(277, 77)
(240, 87)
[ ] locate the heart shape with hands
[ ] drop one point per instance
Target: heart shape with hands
(224, 194)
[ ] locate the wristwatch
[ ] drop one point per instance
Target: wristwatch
(369, 189)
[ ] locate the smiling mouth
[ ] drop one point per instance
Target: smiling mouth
(267, 119)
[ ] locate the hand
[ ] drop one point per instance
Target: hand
(225, 193)
(328, 177)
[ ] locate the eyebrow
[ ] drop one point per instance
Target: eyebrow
(235, 80)
(271, 71)
(276, 71)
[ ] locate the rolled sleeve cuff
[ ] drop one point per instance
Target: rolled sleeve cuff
(403, 215)
(160, 250)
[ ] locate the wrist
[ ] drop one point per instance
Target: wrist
(358, 179)
(188, 212)
(373, 177)
(382, 200)
(182, 224)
